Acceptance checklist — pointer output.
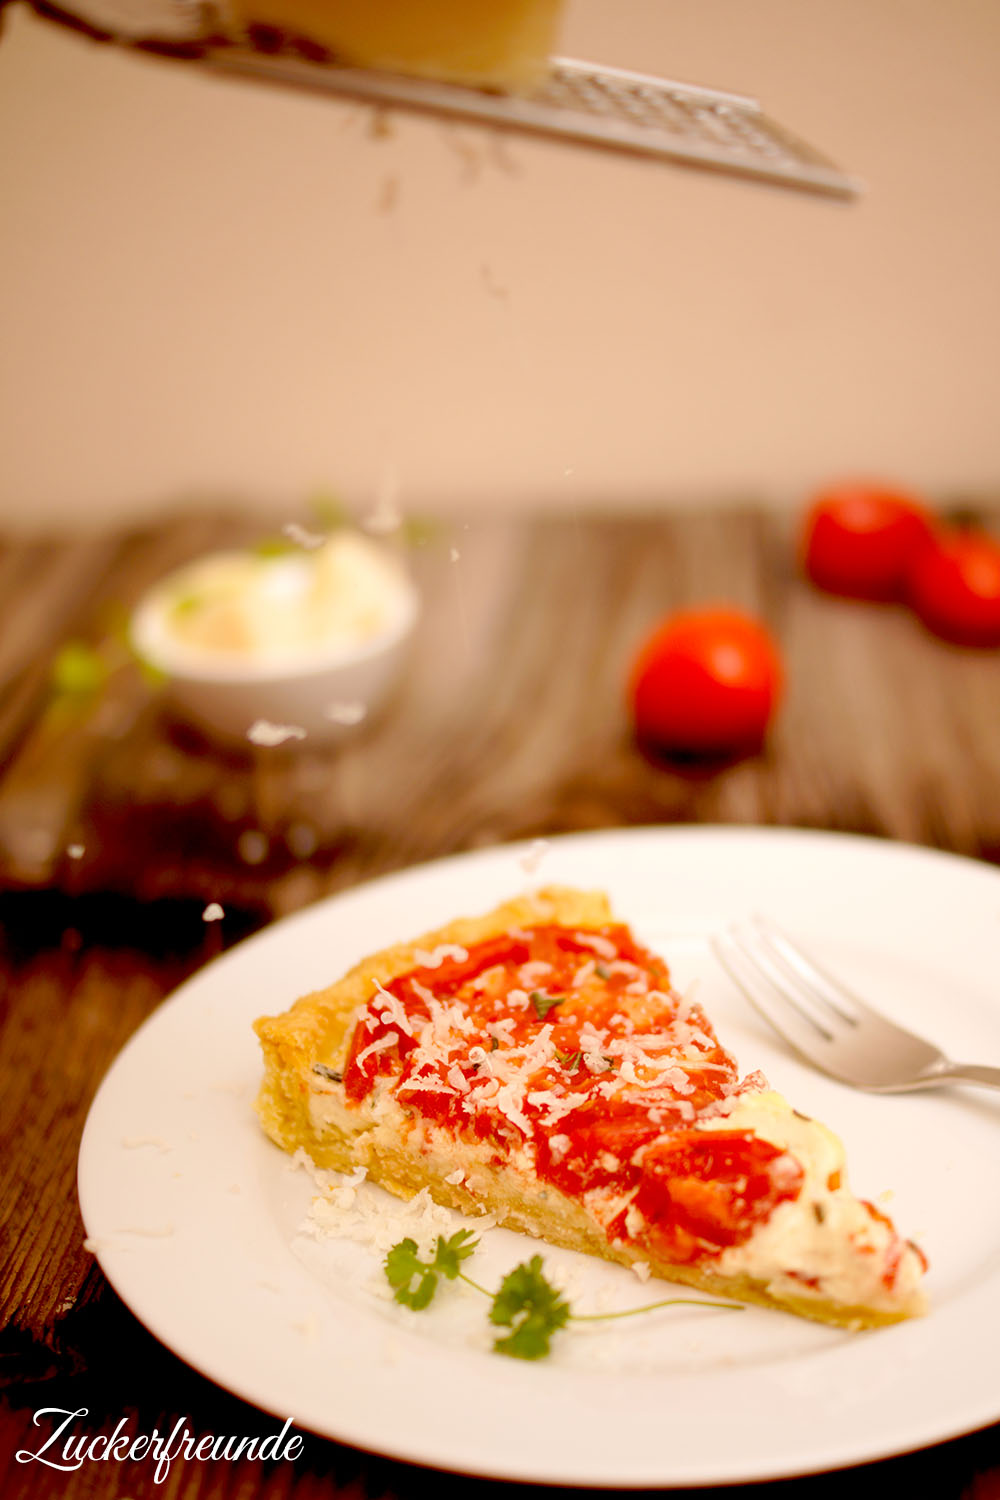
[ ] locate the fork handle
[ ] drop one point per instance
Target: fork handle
(949, 1072)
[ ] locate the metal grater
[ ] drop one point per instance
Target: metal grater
(589, 105)
(580, 102)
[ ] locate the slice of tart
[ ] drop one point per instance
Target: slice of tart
(536, 1064)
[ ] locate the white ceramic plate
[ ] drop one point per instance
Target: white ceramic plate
(194, 1213)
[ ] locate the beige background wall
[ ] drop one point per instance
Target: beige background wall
(209, 287)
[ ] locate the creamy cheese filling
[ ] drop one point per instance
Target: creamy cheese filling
(800, 1249)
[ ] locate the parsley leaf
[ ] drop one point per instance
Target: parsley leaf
(450, 1254)
(403, 1265)
(543, 1003)
(531, 1307)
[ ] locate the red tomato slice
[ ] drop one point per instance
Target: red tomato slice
(954, 587)
(860, 539)
(705, 682)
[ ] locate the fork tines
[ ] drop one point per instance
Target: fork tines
(758, 962)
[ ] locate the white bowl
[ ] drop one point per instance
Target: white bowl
(313, 695)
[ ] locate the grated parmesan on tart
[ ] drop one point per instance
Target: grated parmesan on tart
(536, 1064)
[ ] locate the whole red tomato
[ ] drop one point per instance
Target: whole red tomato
(954, 587)
(860, 539)
(705, 682)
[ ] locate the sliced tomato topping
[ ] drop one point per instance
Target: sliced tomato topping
(707, 1191)
(572, 1045)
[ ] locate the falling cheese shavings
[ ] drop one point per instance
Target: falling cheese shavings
(302, 537)
(530, 861)
(385, 516)
(454, 555)
(388, 194)
(75, 851)
(382, 521)
(252, 846)
(213, 912)
(302, 840)
(263, 732)
(494, 285)
(151, 1232)
(345, 713)
(308, 1327)
(136, 1142)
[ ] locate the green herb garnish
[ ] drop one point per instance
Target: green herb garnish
(543, 1003)
(186, 604)
(78, 670)
(403, 1265)
(531, 1308)
(527, 1303)
(273, 546)
(328, 510)
(417, 531)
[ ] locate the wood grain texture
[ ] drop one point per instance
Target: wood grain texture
(514, 702)
(510, 723)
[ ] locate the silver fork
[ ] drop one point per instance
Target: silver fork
(826, 1023)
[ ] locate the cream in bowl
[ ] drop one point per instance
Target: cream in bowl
(266, 647)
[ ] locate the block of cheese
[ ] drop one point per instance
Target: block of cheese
(501, 44)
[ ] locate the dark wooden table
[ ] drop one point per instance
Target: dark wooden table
(117, 826)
